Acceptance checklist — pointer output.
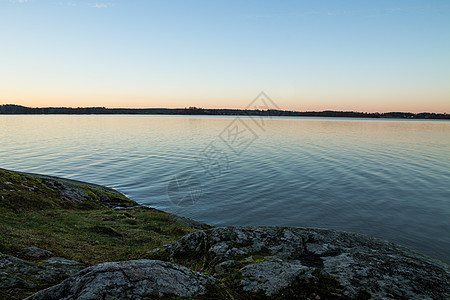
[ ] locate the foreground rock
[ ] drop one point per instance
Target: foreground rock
(138, 279)
(301, 262)
(17, 276)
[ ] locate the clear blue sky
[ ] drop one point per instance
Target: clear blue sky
(307, 55)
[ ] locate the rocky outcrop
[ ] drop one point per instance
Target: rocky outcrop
(78, 191)
(286, 262)
(138, 279)
(18, 276)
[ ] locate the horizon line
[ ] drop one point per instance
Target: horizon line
(240, 109)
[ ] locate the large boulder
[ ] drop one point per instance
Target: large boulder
(138, 279)
(287, 262)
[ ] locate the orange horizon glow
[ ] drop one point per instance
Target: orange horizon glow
(284, 103)
(302, 109)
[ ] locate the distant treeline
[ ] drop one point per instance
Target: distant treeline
(22, 110)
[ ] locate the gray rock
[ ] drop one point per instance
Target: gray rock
(270, 277)
(77, 192)
(11, 281)
(35, 253)
(139, 279)
(355, 265)
(20, 275)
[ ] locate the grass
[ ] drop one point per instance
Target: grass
(89, 236)
(86, 230)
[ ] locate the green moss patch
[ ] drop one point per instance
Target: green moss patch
(85, 229)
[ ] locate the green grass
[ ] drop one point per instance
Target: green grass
(89, 236)
(33, 214)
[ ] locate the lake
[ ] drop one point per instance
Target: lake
(382, 177)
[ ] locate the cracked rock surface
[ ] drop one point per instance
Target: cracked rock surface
(138, 279)
(273, 261)
(17, 274)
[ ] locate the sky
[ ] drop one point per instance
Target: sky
(305, 55)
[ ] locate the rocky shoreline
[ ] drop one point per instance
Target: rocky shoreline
(205, 263)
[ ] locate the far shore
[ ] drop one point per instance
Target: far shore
(12, 109)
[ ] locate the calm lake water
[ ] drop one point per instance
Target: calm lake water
(386, 178)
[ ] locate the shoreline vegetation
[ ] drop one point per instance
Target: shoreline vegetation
(12, 109)
(62, 238)
(81, 221)
(78, 221)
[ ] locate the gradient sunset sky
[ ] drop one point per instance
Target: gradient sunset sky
(306, 55)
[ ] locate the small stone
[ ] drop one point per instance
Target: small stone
(35, 253)
(317, 297)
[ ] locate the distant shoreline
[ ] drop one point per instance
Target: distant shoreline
(12, 109)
